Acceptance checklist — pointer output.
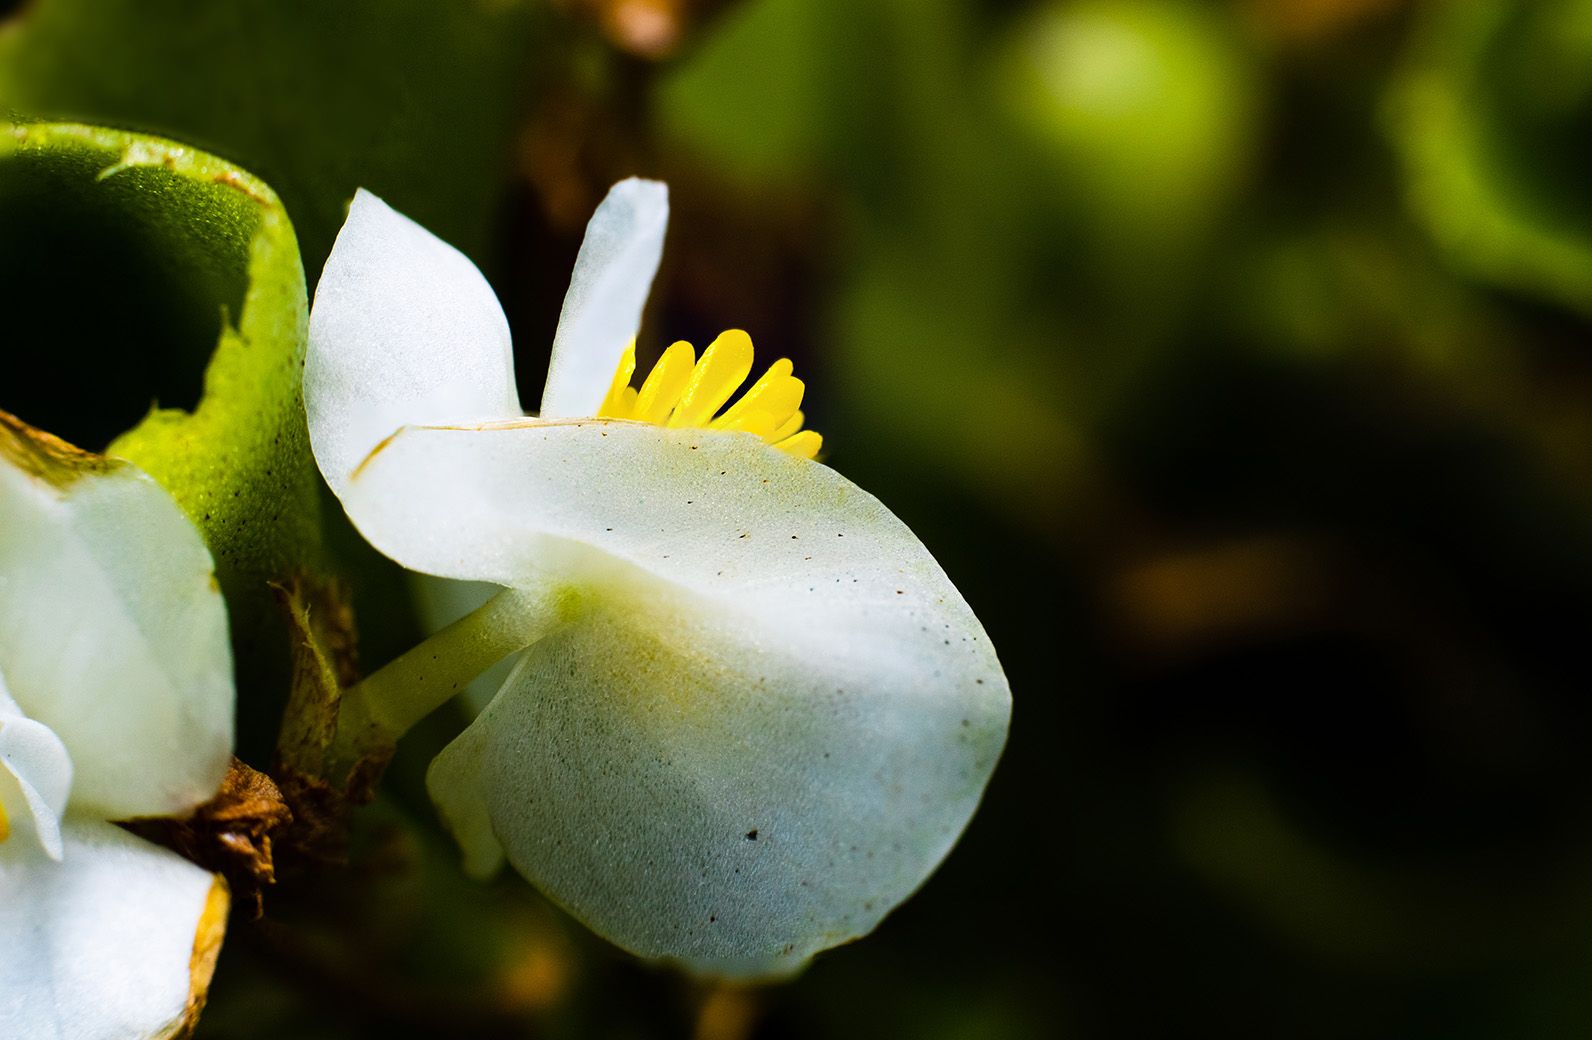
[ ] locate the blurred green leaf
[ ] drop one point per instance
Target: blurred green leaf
(1147, 109)
(1493, 117)
(414, 99)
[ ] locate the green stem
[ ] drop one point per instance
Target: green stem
(374, 713)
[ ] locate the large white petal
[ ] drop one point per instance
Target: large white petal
(607, 291)
(115, 942)
(404, 330)
(759, 645)
(113, 632)
(731, 791)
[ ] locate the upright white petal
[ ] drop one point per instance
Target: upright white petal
(35, 779)
(607, 291)
(404, 330)
(113, 632)
(115, 942)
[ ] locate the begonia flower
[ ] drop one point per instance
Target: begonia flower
(748, 713)
(116, 703)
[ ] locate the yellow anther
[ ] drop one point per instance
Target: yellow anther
(723, 368)
(771, 393)
(777, 370)
(614, 403)
(682, 391)
(756, 422)
(803, 445)
(5, 823)
(666, 383)
(793, 424)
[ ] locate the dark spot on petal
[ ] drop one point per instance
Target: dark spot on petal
(751, 835)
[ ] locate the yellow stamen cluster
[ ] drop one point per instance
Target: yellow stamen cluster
(684, 391)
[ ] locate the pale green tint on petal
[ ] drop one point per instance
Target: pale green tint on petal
(98, 946)
(607, 291)
(404, 330)
(113, 632)
(731, 789)
(35, 778)
(755, 644)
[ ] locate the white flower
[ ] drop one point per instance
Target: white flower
(116, 702)
(754, 714)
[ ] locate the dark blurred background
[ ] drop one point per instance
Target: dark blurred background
(1232, 357)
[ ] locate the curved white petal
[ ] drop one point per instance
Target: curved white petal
(114, 942)
(113, 632)
(607, 291)
(759, 646)
(35, 779)
(404, 330)
(717, 511)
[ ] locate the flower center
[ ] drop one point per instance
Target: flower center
(683, 390)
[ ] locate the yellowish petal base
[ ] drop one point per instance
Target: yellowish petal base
(686, 391)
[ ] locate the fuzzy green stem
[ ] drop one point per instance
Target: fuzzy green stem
(390, 701)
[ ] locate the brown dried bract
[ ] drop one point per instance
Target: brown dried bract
(321, 788)
(46, 456)
(234, 833)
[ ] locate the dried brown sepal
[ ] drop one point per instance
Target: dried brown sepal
(235, 833)
(46, 456)
(321, 630)
(319, 779)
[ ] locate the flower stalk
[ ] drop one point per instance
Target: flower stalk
(377, 711)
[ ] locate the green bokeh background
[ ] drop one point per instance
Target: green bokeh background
(1235, 359)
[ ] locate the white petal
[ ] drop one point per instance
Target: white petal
(404, 330)
(725, 790)
(607, 291)
(761, 646)
(113, 632)
(719, 512)
(35, 778)
(111, 943)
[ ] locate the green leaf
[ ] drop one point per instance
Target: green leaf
(239, 464)
(1491, 115)
(414, 99)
